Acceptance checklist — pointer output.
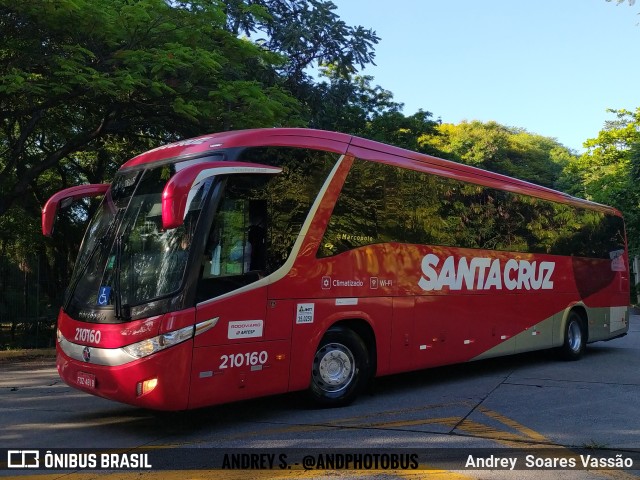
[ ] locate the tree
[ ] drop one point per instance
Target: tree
(404, 131)
(346, 103)
(307, 32)
(129, 70)
(350, 104)
(85, 85)
(609, 171)
(150, 71)
(510, 151)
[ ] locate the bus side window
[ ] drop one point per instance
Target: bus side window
(235, 253)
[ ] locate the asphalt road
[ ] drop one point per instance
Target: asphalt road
(484, 409)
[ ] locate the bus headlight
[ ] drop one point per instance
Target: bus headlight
(155, 344)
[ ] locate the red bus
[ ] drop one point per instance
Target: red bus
(257, 262)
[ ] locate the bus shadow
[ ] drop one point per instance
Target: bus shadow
(498, 366)
(227, 417)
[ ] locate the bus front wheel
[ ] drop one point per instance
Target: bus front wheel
(340, 369)
(575, 339)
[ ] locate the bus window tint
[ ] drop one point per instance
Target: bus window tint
(154, 259)
(259, 217)
(290, 194)
(382, 203)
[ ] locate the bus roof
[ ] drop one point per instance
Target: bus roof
(360, 147)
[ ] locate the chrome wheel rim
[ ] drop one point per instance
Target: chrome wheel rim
(334, 367)
(574, 336)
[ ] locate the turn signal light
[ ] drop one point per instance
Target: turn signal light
(142, 388)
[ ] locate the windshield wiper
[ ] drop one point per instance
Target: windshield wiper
(80, 273)
(122, 312)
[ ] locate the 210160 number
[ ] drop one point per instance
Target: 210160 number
(88, 335)
(243, 359)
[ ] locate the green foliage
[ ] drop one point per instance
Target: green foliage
(126, 70)
(609, 171)
(305, 31)
(350, 104)
(85, 85)
(380, 203)
(347, 103)
(403, 131)
(510, 151)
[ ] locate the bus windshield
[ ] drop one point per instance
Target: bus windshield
(126, 258)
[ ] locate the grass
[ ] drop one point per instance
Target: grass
(27, 354)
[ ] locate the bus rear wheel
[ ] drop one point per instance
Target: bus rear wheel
(341, 368)
(575, 339)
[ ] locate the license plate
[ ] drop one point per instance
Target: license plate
(86, 380)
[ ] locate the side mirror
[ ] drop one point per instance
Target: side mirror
(178, 191)
(64, 198)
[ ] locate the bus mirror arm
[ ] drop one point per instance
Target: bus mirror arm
(63, 199)
(179, 191)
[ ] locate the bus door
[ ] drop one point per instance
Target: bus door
(245, 354)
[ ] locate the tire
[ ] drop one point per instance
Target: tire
(341, 368)
(575, 337)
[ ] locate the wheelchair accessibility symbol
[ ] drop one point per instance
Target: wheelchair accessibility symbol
(103, 296)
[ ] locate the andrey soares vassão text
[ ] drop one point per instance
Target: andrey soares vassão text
(581, 462)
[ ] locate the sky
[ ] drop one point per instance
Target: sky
(552, 67)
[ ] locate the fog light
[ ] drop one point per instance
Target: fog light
(142, 388)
